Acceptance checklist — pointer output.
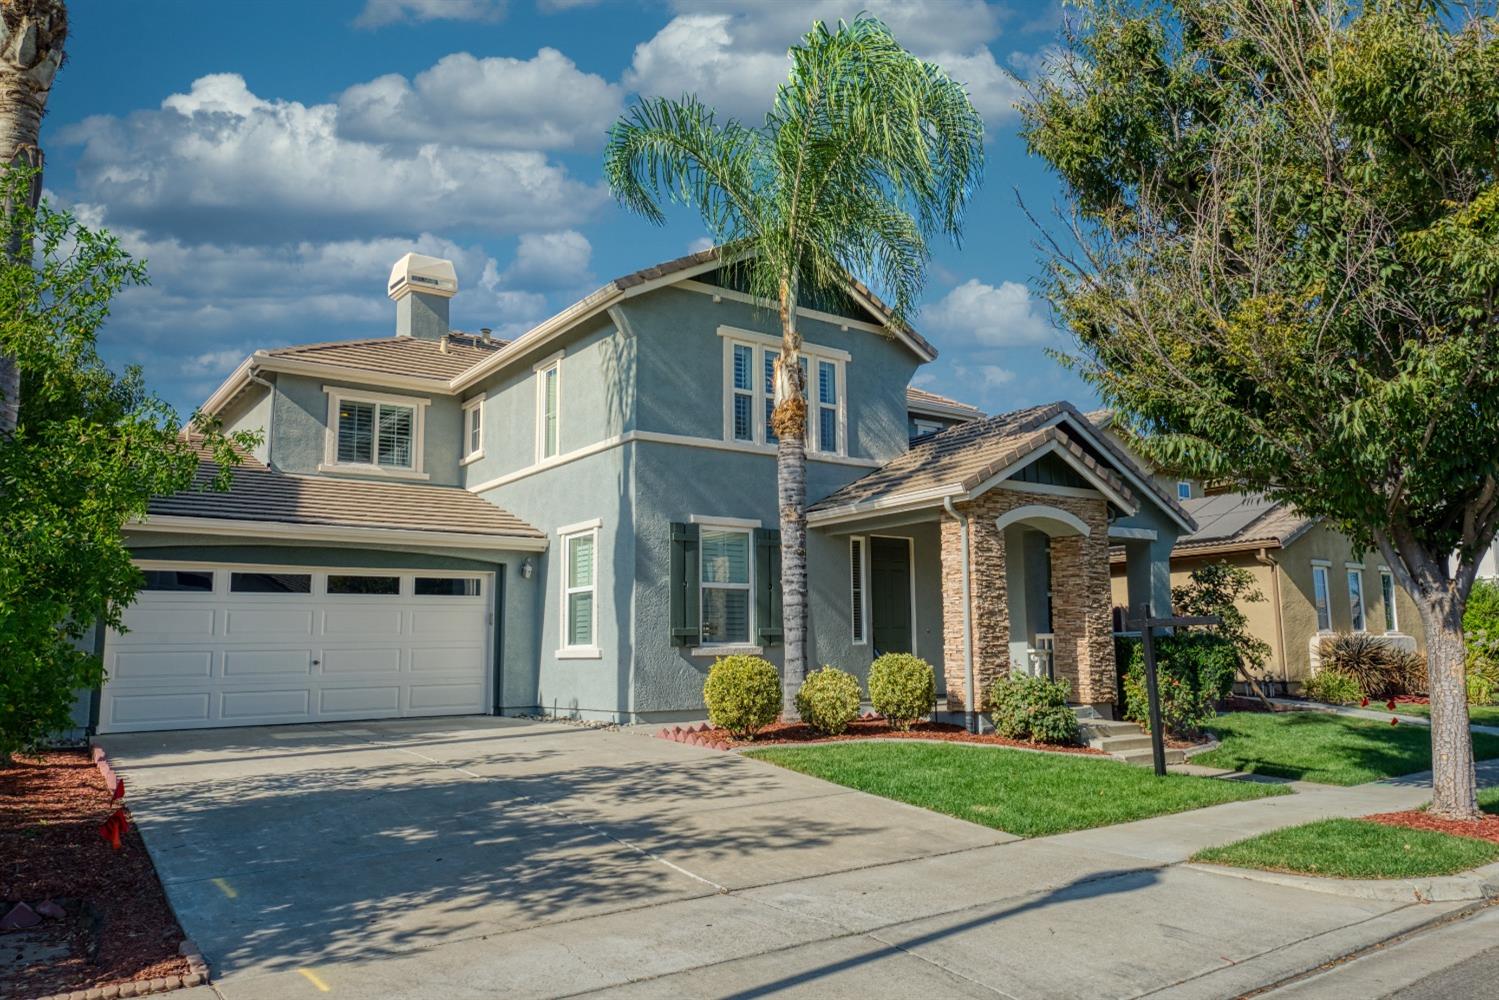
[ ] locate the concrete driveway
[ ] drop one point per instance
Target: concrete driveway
(479, 857)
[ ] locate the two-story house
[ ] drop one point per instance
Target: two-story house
(580, 520)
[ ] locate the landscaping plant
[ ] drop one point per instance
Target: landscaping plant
(1369, 661)
(866, 153)
(1333, 688)
(1279, 269)
(1194, 670)
(1033, 708)
(902, 688)
(743, 694)
(1221, 590)
(829, 700)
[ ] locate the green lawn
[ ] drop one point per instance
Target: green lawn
(1354, 848)
(1332, 749)
(1478, 715)
(1027, 794)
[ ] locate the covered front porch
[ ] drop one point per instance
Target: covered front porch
(1027, 507)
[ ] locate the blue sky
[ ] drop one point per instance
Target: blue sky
(271, 161)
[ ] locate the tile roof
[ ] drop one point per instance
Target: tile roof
(262, 494)
(1231, 520)
(397, 355)
(917, 397)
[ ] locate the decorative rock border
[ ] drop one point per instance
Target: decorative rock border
(693, 736)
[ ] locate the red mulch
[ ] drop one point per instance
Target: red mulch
(1486, 828)
(863, 729)
(118, 926)
(1412, 699)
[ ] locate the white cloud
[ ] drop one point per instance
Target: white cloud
(219, 163)
(378, 13)
(982, 315)
(545, 102)
(700, 244)
(732, 53)
(550, 260)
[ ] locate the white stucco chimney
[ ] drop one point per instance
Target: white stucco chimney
(421, 286)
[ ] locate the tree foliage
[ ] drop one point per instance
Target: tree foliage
(90, 450)
(1219, 589)
(1283, 268)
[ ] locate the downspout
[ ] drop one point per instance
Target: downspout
(970, 715)
(1264, 558)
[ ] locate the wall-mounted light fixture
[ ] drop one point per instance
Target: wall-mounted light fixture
(527, 568)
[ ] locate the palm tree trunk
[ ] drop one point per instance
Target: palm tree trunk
(32, 34)
(790, 418)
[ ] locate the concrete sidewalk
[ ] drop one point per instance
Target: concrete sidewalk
(473, 857)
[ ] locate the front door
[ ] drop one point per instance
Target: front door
(890, 595)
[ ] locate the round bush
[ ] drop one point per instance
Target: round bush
(1033, 708)
(743, 694)
(1333, 688)
(828, 700)
(903, 688)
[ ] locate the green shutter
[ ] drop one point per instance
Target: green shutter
(768, 586)
(685, 595)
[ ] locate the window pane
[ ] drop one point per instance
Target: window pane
(827, 382)
(1184, 491)
(827, 429)
(580, 561)
(580, 619)
(1356, 599)
(270, 583)
(395, 435)
(770, 434)
(725, 615)
(1387, 592)
(1319, 595)
(446, 586)
(377, 585)
(725, 555)
(744, 363)
(744, 429)
(474, 426)
(180, 580)
(356, 432)
(549, 429)
(769, 359)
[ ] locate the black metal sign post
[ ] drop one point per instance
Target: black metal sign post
(1147, 627)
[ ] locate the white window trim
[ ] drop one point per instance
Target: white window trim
(863, 596)
(1179, 484)
(759, 345)
(746, 646)
(553, 363)
(1320, 568)
(1363, 599)
(469, 408)
(1392, 601)
(336, 396)
(565, 650)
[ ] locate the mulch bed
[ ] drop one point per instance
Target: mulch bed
(1486, 828)
(862, 729)
(117, 925)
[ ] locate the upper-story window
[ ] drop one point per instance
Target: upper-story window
(548, 406)
(473, 429)
(749, 392)
(1183, 490)
(922, 427)
(373, 433)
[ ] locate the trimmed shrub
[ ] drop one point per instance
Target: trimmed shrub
(1195, 671)
(1033, 708)
(1333, 688)
(1482, 612)
(1366, 659)
(828, 700)
(1480, 690)
(903, 688)
(743, 694)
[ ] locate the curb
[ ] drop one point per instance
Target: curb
(1200, 749)
(1478, 884)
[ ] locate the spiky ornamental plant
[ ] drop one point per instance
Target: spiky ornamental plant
(1285, 271)
(866, 154)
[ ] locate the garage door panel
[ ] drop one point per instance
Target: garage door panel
(267, 622)
(181, 708)
(237, 658)
(362, 621)
(281, 704)
(383, 660)
(239, 663)
(361, 701)
(162, 664)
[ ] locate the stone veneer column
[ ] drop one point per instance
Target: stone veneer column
(1081, 606)
(991, 619)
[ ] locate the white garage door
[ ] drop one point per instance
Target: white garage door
(244, 646)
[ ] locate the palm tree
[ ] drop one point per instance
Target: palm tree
(32, 33)
(866, 153)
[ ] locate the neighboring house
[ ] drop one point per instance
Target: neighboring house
(1313, 581)
(930, 413)
(581, 520)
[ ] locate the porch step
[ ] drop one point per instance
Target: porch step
(1123, 740)
(1144, 758)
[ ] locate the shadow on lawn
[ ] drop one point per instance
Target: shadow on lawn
(315, 862)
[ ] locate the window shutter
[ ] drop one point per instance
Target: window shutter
(768, 586)
(685, 594)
